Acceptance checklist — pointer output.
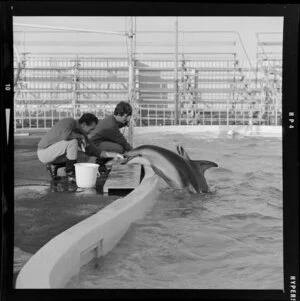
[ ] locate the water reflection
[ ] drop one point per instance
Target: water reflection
(62, 186)
(66, 186)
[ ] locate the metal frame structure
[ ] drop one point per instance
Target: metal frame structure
(214, 82)
(269, 68)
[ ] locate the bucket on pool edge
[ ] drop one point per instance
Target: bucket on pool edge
(86, 174)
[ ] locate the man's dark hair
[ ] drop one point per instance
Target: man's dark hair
(123, 108)
(88, 119)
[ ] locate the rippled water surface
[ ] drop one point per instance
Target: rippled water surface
(229, 239)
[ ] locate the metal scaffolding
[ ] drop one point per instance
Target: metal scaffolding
(169, 77)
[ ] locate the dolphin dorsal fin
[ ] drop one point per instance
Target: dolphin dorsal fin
(203, 165)
(182, 152)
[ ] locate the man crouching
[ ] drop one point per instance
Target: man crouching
(60, 146)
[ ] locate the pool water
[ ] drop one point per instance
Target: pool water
(231, 238)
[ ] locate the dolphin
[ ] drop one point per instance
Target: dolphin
(178, 170)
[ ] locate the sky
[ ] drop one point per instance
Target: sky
(247, 27)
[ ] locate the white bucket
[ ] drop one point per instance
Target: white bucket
(86, 174)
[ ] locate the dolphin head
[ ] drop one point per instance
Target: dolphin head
(142, 151)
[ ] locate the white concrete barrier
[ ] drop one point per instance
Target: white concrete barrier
(215, 130)
(61, 258)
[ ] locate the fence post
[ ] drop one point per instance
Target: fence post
(45, 125)
(29, 115)
(148, 116)
(52, 116)
(23, 119)
(37, 118)
(140, 109)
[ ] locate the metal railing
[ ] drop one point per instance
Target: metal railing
(28, 117)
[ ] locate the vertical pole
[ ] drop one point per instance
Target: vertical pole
(15, 118)
(176, 74)
(75, 79)
(37, 117)
(228, 94)
(256, 71)
(140, 114)
(276, 96)
(29, 115)
(23, 118)
(148, 116)
(131, 78)
(227, 110)
(44, 117)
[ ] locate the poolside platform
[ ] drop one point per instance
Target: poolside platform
(122, 178)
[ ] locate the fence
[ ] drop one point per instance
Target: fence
(44, 117)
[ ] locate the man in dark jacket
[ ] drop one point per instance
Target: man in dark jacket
(107, 136)
(61, 144)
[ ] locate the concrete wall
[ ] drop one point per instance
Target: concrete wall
(61, 258)
(262, 130)
(215, 130)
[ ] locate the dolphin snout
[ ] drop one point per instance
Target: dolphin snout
(132, 154)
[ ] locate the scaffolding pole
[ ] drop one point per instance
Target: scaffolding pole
(131, 79)
(61, 28)
(176, 74)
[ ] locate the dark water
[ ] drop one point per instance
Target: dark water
(228, 239)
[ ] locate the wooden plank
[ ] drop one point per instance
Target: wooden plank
(122, 177)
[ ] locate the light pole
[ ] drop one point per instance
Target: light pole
(131, 81)
(176, 74)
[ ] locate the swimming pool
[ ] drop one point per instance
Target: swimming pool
(229, 239)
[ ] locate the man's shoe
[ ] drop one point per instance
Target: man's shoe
(71, 176)
(70, 170)
(102, 169)
(53, 171)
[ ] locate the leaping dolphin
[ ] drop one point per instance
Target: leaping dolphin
(179, 171)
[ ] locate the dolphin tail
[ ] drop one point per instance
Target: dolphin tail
(203, 165)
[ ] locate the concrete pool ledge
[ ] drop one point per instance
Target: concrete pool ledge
(61, 258)
(215, 130)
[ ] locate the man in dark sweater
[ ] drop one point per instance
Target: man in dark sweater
(61, 144)
(107, 136)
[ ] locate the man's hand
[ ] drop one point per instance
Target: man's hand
(82, 143)
(116, 156)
